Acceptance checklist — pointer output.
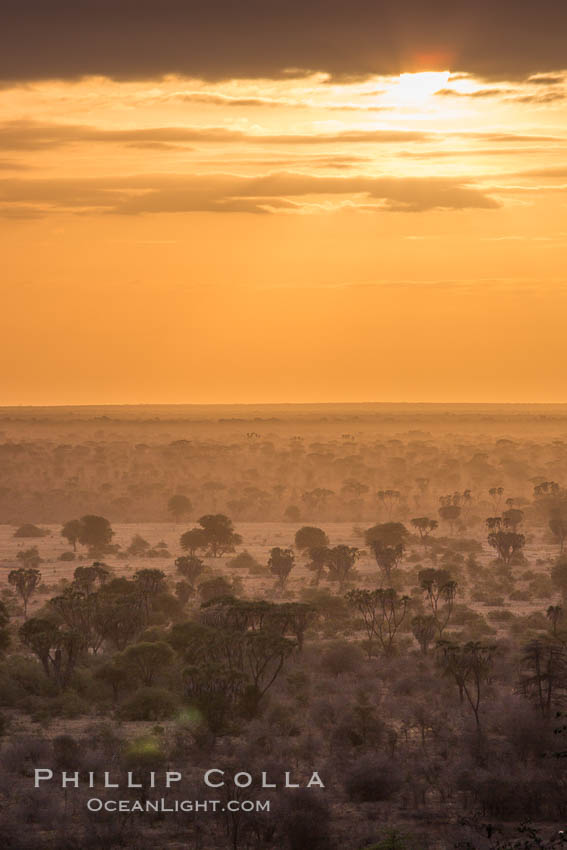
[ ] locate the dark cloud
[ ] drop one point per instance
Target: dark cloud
(546, 80)
(137, 194)
(222, 39)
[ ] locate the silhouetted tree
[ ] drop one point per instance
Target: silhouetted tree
(508, 544)
(440, 590)
(179, 506)
(340, 561)
(310, 537)
(146, 659)
(25, 580)
(424, 526)
(543, 677)
(280, 564)
(71, 531)
(470, 666)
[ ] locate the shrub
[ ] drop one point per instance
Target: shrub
(149, 704)
(30, 530)
(372, 780)
(341, 657)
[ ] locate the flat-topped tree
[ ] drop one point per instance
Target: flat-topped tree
(424, 527)
(193, 540)
(215, 533)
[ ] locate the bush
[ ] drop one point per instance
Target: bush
(342, 657)
(149, 704)
(373, 780)
(67, 556)
(305, 822)
(244, 561)
(30, 530)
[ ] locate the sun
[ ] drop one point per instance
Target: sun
(416, 88)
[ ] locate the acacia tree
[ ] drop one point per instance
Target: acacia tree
(424, 526)
(280, 564)
(193, 540)
(25, 580)
(440, 591)
(389, 498)
(216, 534)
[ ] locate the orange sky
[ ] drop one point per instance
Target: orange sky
(392, 238)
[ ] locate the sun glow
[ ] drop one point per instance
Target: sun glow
(415, 88)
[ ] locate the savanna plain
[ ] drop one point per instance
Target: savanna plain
(373, 593)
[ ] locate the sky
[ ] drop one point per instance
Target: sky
(282, 202)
